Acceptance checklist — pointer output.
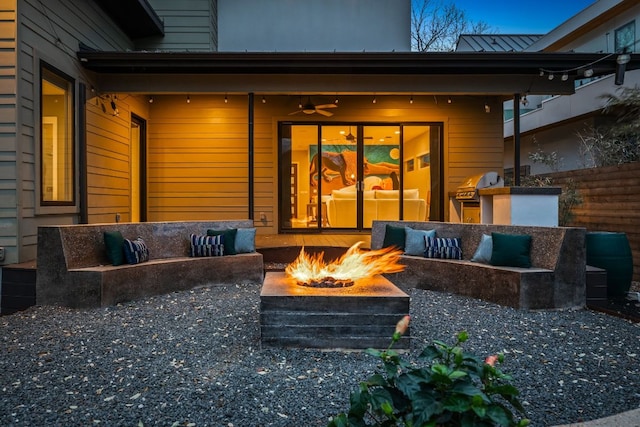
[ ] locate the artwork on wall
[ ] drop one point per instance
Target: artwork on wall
(425, 160)
(339, 167)
(410, 165)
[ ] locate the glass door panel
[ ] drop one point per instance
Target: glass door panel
(417, 170)
(381, 173)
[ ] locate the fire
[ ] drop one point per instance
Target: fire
(355, 264)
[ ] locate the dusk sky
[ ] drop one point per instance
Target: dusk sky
(522, 17)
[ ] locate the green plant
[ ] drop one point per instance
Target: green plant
(454, 388)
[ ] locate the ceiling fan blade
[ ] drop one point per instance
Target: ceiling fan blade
(324, 113)
(295, 112)
(326, 106)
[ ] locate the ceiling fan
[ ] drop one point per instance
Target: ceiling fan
(351, 138)
(310, 108)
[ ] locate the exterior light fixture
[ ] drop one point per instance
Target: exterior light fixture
(621, 67)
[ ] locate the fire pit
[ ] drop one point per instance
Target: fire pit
(314, 313)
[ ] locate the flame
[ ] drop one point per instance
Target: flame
(353, 265)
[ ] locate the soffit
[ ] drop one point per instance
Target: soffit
(135, 17)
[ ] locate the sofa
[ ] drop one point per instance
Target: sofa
(377, 205)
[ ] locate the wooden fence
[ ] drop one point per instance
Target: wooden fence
(610, 202)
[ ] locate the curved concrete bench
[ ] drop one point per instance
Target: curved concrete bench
(556, 279)
(73, 269)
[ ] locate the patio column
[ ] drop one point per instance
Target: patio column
(516, 140)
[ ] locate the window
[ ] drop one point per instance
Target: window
(57, 176)
(625, 37)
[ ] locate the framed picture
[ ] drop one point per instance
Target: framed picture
(410, 165)
(425, 160)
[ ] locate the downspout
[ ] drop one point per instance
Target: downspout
(250, 202)
(516, 140)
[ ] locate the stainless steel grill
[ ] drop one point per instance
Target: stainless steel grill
(467, 194)
(468, 190)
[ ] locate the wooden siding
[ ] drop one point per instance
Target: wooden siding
(611, 202)
(188, 25)
(9, 159)
(49, 31)
(198, 152)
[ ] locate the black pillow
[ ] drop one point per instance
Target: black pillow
(229, 239)
(394, 236)
(114, 243)
(136, 251)
(511, 250)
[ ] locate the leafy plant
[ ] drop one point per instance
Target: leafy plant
(454, 388)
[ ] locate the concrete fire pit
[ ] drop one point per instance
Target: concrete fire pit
(356, 317)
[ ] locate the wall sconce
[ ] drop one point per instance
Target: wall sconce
(621, 67)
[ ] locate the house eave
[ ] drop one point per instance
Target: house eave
(135, 17)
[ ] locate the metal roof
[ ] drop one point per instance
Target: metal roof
(496, 42)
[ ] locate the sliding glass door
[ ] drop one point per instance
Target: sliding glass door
(345, 176)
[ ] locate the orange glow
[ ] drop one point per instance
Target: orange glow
(353, 265)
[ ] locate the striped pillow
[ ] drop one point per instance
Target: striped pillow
(443, 247)
(136, 251)
(203, 246)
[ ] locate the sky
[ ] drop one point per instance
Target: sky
(522, 16)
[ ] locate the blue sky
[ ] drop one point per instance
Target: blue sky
(520, 16)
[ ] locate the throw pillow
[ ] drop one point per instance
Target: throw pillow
(229, 239)
(205, 246)
(511, 250)
(245, 240)
(483, 253)
(443, 247)
(136, 251)
(114, 242)
(394, 236)
(414, 242)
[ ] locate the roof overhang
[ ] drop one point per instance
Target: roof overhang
(135, 17)
(483, 70)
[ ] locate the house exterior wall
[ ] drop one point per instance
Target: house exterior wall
(48, 31)
(10, 157)
(555, 125)
(188, 25)
(198, 152)
(302, 26)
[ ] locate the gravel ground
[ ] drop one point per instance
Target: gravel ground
(194, 359)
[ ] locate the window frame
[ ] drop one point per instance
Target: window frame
(45, 206)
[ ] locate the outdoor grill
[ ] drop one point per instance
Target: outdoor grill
(467, 194)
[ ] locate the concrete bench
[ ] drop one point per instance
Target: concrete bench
(73, 269)
(556, 279)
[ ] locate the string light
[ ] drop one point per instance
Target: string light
(264, 101)
(411, 100)
(226, 100)
(151, 100)
(188, 99)
(449, 100)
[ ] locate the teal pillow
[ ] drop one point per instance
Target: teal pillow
(114, 243)
(394, 236)
(246, 240)
(414, 242)
(511, 250)
(229, 239)
(483, 253)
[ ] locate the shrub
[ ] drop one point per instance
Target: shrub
(454, 388)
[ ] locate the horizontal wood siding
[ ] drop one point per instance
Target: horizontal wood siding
(9, 155)
(50, 31)
(188, 25)
(198, 159)
(611, 202)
